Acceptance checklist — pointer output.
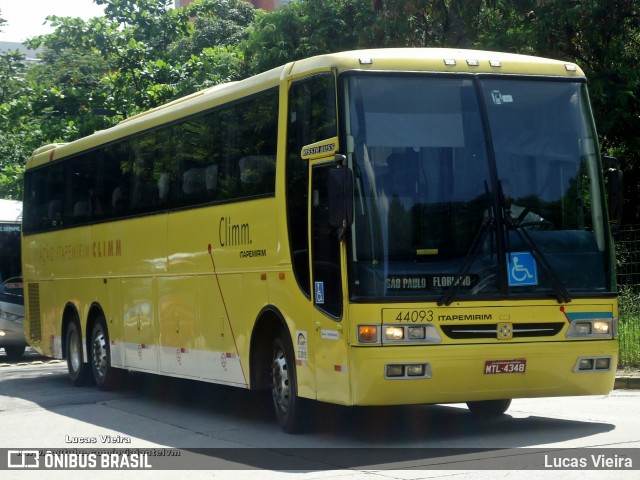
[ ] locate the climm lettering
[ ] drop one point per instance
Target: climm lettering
(232, 234)
(107, 248)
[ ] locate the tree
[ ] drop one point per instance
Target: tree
(603, 37)
(13, 146)
(151, 54)
(304, 28)
(93, 73)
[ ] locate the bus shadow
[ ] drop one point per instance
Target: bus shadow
(222, 418)
(334, 425)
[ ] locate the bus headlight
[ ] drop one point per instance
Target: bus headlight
(415, 370)
(417, 333)
(583, 328)
(394, 333)
(398, 334)
(411, 334)
(592, 364)
(394, 371)
(602, 328)
(592, 328)
(407, 371)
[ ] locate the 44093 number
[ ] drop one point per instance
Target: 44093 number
(414, 316)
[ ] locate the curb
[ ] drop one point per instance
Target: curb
(627, 382)
(35, 362)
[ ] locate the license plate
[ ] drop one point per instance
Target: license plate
(505, 366)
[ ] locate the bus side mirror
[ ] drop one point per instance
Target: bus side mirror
(340, 198)
(615, 196)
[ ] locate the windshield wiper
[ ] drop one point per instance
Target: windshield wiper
(487, 224)
(453, 290)
(561, 292)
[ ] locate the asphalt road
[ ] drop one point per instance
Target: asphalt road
(227, 433)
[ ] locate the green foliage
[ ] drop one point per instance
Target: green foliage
(305, 28)
(629, 329)
(12, 66)
(14, 148)
(215, 24)
(93, 73)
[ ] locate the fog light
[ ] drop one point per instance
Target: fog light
(395, 371)
(415, 370)
(394, 333)
(603, 363)
(585, 364)
(367, 333)
(602, 328)
(417, 333)
(583, 328)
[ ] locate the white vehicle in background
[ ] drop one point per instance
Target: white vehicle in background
(11, 295)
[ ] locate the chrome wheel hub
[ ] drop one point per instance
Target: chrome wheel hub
(280, 374)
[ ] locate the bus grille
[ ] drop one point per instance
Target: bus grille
(35, 324)
(490, 330)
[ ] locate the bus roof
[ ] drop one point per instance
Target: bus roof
(389, 59)
(10, 211)
(440, 60)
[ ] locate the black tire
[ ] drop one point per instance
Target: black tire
(79, 372)
(284, 388)
(105, 376)
(489, 408)
(14, 352)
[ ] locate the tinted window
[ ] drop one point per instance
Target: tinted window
(222, 155)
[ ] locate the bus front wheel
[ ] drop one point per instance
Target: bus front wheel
(288, 405)
(79, 372)
(489, 408)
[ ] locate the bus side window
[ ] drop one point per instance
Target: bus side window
(164, 186)
(55, 213)
(193, 181)
(257, 174)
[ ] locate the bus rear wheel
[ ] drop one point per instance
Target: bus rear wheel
(105, 376)
(79, 372)
(489, 408)
(288, 405)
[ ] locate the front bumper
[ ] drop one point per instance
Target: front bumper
(457, 372)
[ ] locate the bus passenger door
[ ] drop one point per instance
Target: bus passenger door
(330, 336)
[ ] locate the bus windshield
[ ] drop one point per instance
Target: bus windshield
(489, 185)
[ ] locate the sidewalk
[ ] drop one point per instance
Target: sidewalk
(627, 380)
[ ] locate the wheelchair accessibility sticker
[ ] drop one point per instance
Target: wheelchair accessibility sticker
(319, 293)
(522, 269)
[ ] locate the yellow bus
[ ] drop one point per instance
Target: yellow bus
(380, 227)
